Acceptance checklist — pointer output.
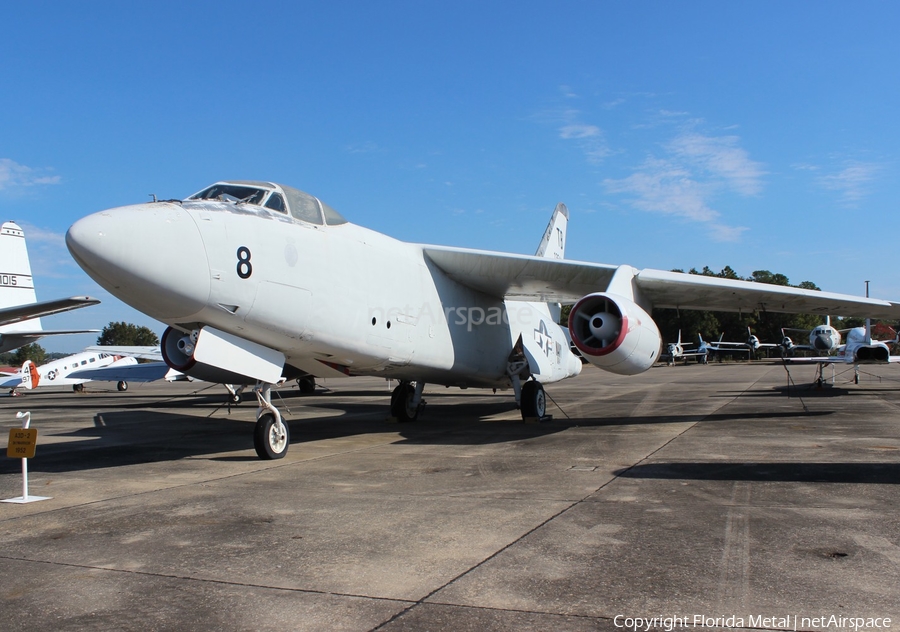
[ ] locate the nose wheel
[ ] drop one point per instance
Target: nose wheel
(271, 436)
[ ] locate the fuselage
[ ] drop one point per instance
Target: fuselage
(333, 297)
(56, 372)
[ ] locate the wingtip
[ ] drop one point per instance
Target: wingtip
(562, 210)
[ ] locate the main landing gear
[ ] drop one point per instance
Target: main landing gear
(406, 401)
(533, 400)
(271, 436)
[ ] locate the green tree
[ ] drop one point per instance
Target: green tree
(127, 334)
(33, 352)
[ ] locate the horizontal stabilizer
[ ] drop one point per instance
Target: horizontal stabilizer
(19, 313)
(16, 339)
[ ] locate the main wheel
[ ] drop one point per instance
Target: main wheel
(534, 401)
(270, 438)
(122, 386)
(78, 388)
(307, 385)
(235, 398)
(401, 403)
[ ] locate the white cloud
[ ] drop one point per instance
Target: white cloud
(13, 175)
(579, 131)
(694, 171)
(851, 182)
(722, 158)
(590, 138)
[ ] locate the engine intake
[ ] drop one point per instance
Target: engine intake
(614, 333)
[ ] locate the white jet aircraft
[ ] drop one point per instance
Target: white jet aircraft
(20, 312)
(858, 350)
(258, 280)
(677, 351)
(60, 372)
(751, 346)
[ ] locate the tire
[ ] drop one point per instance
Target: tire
(400, 403)
(534, 400)
(269, 443)
(235, 398)
(78, 388)
(307, 385)
(122, 386)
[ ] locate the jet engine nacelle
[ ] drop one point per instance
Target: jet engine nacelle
(215, 356)
(614, 333)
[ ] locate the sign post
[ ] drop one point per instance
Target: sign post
(22, 442)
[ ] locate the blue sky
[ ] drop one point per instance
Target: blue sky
(756, 135)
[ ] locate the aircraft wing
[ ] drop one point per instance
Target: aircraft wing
(10, 380)
(19, 313)
(149, 372)
(522, 277)
(141, 352)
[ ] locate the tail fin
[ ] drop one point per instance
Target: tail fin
(30, 375)
(16, 283)
(553, 245)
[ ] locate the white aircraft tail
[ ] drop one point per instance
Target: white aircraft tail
(553, 245)
(16, 283)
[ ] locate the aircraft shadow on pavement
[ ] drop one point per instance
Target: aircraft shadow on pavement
(128, 436)
(867, 473)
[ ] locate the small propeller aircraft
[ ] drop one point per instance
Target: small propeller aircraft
(260, 281)
(61, 372)
(20, 322)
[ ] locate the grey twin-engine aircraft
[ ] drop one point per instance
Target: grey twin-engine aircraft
(260, 282)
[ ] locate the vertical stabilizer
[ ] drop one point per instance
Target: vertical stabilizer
(16, 283)
(553, 245)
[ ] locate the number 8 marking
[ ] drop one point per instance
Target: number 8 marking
(244, 268)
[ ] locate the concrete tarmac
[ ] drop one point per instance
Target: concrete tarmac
(696, 492)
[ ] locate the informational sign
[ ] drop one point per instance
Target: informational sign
(22, 442)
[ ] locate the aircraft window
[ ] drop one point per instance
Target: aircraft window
(231, 193)
(303, 206)
(92, 360)
(276, 203)
(83, 362)
(332, 217)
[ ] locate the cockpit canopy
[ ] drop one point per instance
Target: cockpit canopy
(275, 197)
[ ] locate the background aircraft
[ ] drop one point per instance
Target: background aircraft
(676, 351)
(859, 349)
(822, 339)
(20, 312)
(60, 372)
(752, 345)
(257, 280)
(157, 369)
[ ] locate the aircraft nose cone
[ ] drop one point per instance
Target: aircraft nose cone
(150, 255)
(822, 343)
